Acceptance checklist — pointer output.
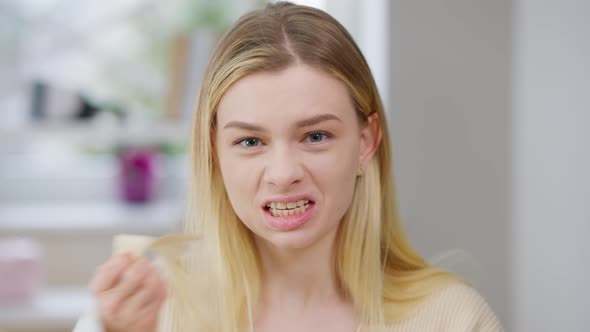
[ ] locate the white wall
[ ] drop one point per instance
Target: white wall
(450, 119)
(368, 23)
(490, 110)
(552, 166)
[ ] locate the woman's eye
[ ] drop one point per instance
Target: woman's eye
(249, 142)
(317, 137)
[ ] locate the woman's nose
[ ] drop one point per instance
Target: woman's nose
(283, 168)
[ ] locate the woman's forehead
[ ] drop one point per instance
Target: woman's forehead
(293, 94)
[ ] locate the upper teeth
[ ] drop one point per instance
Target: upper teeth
(287, 205)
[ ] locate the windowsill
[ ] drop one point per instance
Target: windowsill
(154, 218)
(51, 309)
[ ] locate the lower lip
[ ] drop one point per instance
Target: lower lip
(289, 223)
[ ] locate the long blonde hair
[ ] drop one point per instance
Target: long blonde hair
(378, 269)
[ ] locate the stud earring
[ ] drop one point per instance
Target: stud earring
(360, 171)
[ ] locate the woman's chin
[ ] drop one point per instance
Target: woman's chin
(294, 241)
(271, 239)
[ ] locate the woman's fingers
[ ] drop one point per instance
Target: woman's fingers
(153, 290)
(132, 278)
(108, 274)
(130, 293)
(147, 300)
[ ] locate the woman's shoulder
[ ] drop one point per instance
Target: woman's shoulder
(455, 307)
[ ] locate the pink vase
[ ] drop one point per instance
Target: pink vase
(137, 174)
(22, 271)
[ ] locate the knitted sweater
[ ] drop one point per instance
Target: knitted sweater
(456, 308)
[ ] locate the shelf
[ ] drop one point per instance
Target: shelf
(104, 217)
(51, 309)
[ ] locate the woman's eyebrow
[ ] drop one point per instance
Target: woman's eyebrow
(316, 119)
(243, 125)
(299, 124)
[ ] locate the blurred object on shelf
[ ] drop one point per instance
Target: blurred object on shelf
(189, 54)
(138, 167)
(53, 104)
(49, 103)
(38, 100)
(22, 269)
(87, 109)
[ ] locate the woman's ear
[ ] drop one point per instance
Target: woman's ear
(370, 138)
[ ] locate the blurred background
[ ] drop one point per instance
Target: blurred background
(488, 105)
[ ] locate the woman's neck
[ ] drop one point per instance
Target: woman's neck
(299, 279)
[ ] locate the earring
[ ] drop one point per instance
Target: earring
(360, 171)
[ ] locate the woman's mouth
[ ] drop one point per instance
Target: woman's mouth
(288, 216)
(283, 209)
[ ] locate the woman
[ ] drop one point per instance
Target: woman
(292, 196)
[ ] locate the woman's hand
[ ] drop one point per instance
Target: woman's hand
(130, 293)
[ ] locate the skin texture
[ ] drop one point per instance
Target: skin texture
(263, 154)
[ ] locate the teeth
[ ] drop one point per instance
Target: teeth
(284, 213)
(287, 205)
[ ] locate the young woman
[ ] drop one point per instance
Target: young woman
(292, 198)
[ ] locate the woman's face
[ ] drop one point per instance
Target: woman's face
(289, 145)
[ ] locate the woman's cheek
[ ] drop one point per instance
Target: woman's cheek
(244, 176)
(338, 162)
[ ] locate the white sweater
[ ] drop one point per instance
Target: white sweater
(456, 308)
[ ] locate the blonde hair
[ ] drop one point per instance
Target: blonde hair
(378, 269)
